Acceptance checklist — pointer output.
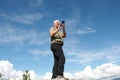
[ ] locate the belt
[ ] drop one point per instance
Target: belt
(57, 41)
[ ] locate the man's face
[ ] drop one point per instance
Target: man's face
(57, 24)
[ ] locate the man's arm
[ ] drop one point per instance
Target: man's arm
(53, 32)
(64, 31)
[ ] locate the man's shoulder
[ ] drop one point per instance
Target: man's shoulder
(52, 28)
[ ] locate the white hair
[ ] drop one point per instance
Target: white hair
(56, 21)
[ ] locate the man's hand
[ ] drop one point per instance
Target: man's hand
(63, 26)
(58, 28)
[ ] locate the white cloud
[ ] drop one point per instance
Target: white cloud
(24, 18)
(85, 31)
(35, 3)
(73, 21)
(108, 71)
(6, 69)
(110, 54)
(34, 76)
(75, 25)
(37, 52)
(11, 34)
(9, 73)
(47, 75)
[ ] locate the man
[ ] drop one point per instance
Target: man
(56, 46)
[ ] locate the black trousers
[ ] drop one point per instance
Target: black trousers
(59, 60)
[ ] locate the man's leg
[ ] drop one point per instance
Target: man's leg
(55, 67)
(61, 61)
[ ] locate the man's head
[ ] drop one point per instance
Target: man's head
(56, 23)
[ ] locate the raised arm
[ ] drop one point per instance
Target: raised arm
(64, 31)
(53, 32)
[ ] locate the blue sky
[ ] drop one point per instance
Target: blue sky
(92, 33)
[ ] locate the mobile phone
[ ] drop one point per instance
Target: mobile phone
(63, 21)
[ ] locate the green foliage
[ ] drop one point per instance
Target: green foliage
(26, 75)
(1, 75)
